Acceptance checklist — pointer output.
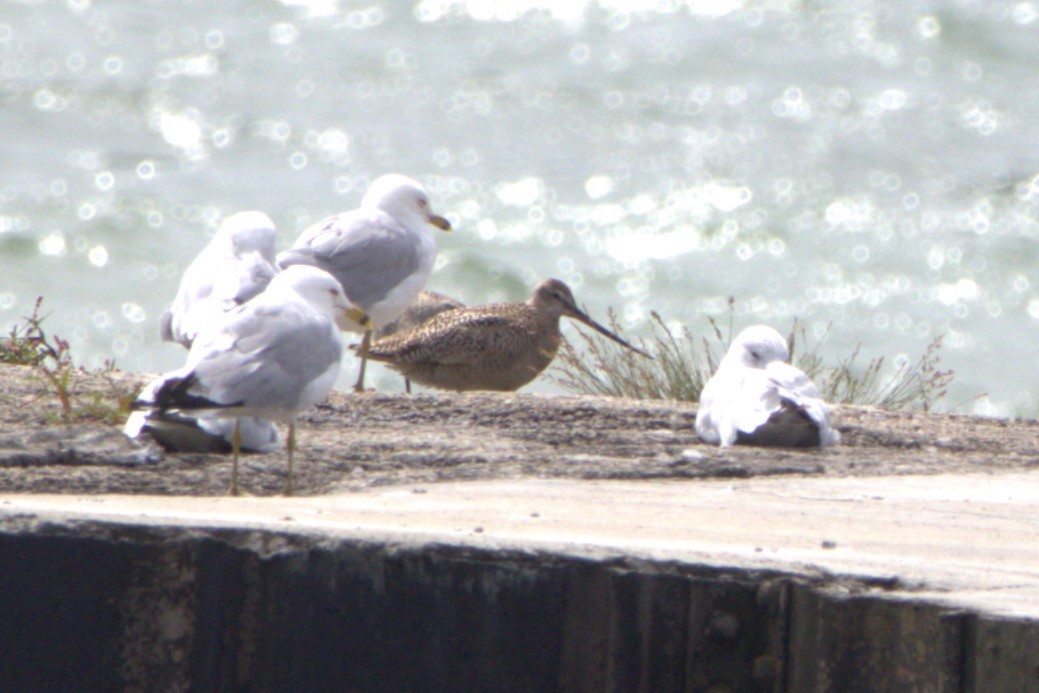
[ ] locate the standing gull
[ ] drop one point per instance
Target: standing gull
(426, 305)
(273, 357)
(500, 346)
(236, 265)
(757, 398)
(382, 253)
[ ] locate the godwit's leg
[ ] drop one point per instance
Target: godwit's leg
(291, 445)
(236, 448)
(365, 343)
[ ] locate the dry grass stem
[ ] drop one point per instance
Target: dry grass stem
(682, 364)
(28, 344)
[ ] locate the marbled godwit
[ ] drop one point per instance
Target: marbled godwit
(757, 398)
(382, 252)
(501, 346)
(237, 264)
(426, 305)
(273, 357)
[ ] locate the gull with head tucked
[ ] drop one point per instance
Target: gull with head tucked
(273, 357)
(382, 253)
(237, 264)
(757, 398)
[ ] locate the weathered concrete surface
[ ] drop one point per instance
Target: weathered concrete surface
(354, 442)
(920, 582)
(603, 547)
(965, 540)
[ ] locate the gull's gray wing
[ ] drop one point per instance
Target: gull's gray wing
(265, 356)
(368, 251)
(220, 278)
(795, 387)
(736, 399)
(247, 276)
(792, 382)
(196, 285)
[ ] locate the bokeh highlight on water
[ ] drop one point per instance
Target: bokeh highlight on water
(873, 165)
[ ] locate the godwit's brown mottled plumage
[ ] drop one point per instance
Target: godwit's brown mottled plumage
(501, 346)
(424, 307)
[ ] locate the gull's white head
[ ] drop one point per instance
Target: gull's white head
(405, 200)
(756, 347)
(249, 232)
(322, 291)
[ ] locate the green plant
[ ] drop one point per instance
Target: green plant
(20, 347)
(50, 356)
(29, 345)
(682, 364)
(110, 406)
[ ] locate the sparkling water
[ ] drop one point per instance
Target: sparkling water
(870, 165)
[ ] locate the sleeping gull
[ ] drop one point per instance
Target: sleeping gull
(757, 398)
(382, 253)
(501, 346)
(273, 357)
(236, 265)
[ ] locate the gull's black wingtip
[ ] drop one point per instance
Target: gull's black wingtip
(173, 394)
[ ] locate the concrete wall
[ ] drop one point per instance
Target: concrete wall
(95, 606)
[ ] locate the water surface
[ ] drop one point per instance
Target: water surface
(870, 165)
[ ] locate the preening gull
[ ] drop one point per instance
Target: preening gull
(273, 357)
(757, 398)
(382, 253)
(500, 346)
(236, 265)
(426, 305)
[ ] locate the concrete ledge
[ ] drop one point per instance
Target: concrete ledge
(925, 583)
